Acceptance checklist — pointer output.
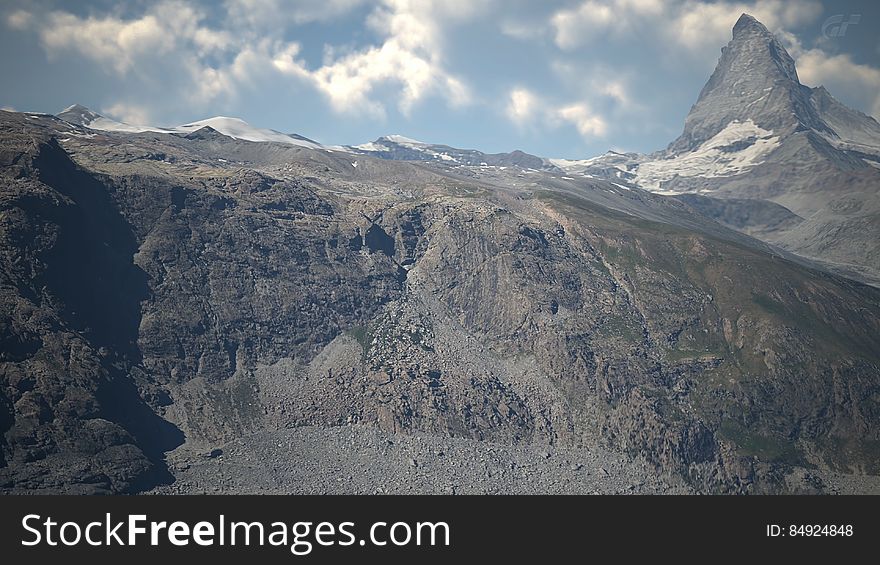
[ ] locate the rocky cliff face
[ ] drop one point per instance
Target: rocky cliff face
(164, 290)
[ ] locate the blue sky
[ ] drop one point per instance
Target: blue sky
(568, 78)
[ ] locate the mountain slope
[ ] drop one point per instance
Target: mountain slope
(398, 147)
(227, 288)
(757, 134)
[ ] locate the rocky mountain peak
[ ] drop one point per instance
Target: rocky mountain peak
(755, 79)
(78, 114)
(753, 43)
(747, 23)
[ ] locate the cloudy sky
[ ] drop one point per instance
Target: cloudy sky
(567, 78)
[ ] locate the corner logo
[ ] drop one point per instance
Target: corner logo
(836, 25)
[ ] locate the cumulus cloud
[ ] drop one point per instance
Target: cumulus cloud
(411, 57)
(114, 42)
(268, 13)
(700, 25)
(582, 117)
(527, 110)
(605, 86)
(19, 19)
(220, 61)
(121, 45)
(584, 23)
(128, 113)
(693, 25)
(522, 106)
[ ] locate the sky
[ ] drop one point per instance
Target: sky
(566, 79)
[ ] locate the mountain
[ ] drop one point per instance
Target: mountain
(80, 115)
(400, 148)
(756, 134)
(756, 80)
(235, 128)
(239, 129)
(199, 311)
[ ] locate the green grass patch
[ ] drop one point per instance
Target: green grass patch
(766, 448)
(364, 336)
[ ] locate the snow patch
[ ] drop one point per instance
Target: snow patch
(240, 129)
(372, 147)
(235, 128)
(401, 140)
(717, 157)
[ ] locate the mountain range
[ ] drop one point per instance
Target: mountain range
(181, 305)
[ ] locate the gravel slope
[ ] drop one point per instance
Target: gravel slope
(365, 460)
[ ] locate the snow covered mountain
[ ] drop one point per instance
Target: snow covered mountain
(80, 115)
(239, 129)
(750, 106)
(400, 148)
(235, 128)
(757, 135)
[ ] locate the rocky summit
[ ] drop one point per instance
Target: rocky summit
(216, 308)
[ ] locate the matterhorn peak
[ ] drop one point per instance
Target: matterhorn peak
(755, 79)
(749, 24)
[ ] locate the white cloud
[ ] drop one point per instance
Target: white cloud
(411, 57)
(522, 106)
(218, 62)
(582, 117)
(593, 18)
(269, 13)
(120, 44)
(128, 113)
(527, 110)
(522, 29)
(705, 26)
(19, 19)
(698, 27)
(110, 41)
(598, 82)
(616, 90)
